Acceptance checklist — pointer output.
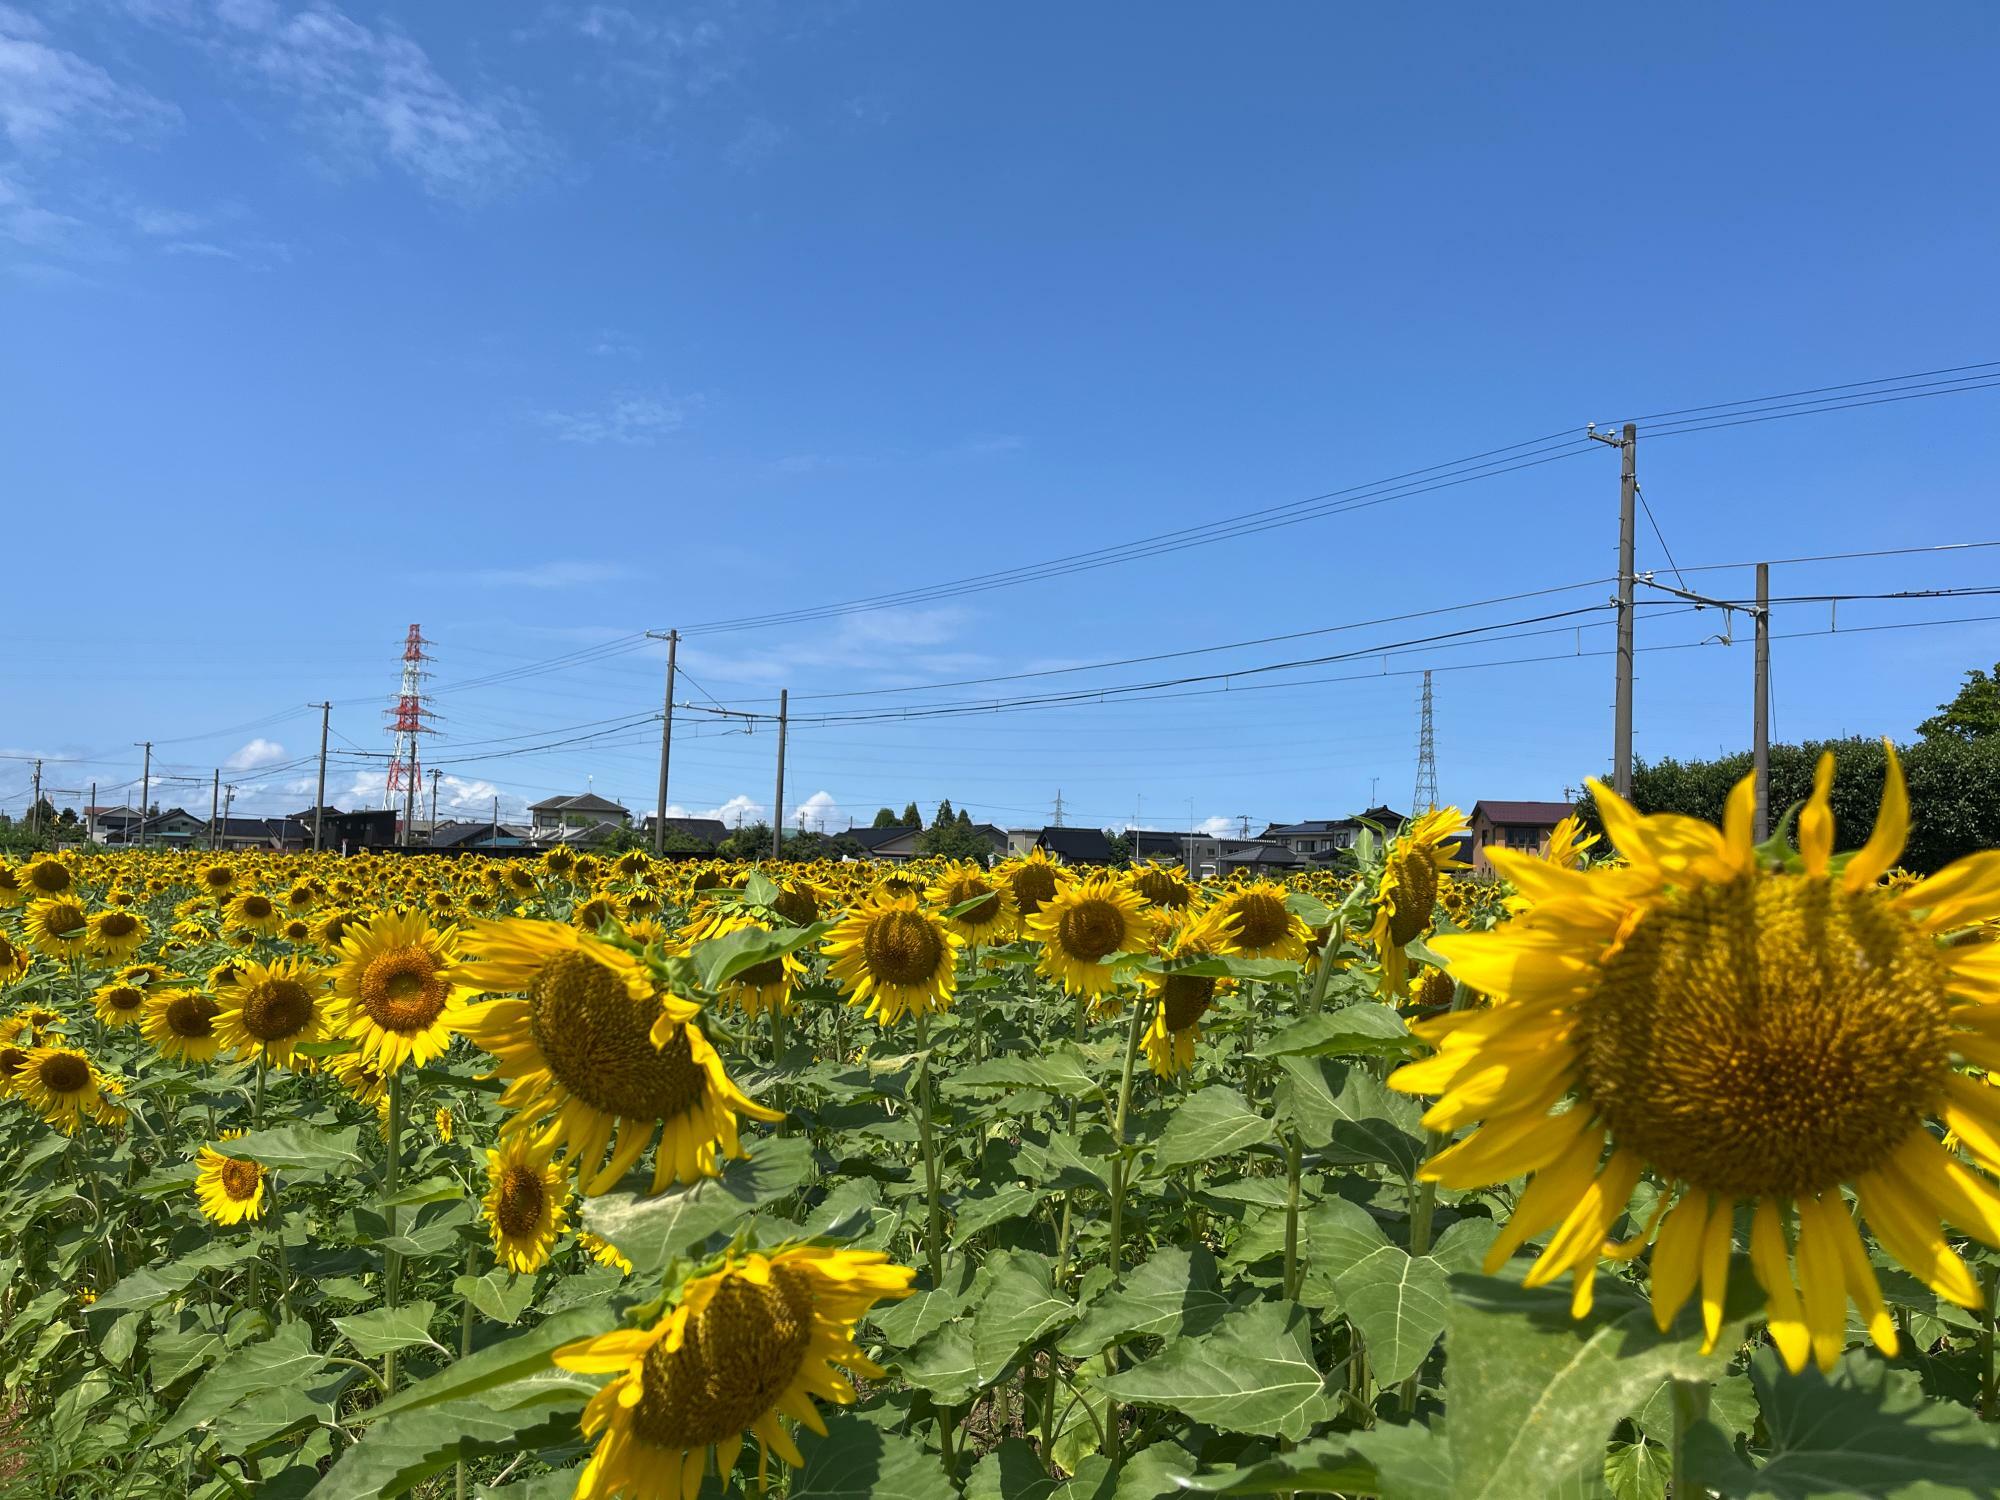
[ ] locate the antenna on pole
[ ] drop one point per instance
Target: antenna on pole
(1425, 798)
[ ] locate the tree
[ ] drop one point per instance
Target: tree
(965, 820)
(951, 841)
(752, 841)
(911, 817)
(68, 818)
(944, 817)
(884, 819)
(1974, 714)
(1121, 847)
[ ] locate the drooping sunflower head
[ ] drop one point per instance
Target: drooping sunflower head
(1086, 923)
(119, 1003)
(631, 864)
(1260, 924)
(13, 890)
(270, 1008)
(58, 926)
(46, 875)
(14, 960)
(398, 988)
(743, 1346)
(560, 861)
(1034, 879)
(603, 1251)
(525, 1203)
(994, 919)
(1180, 1000)
(894, 957)
(116, 933)
(1752, 1026)
(180, 1022)
(1163, 886)
(230, 1189)
(1406, 889)
(800, 902)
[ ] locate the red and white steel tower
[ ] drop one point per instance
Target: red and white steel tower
(406, 722)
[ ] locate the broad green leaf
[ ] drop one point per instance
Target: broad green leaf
(1254, 1372)
(1637, 1471)
(285, 1358)
(1012, 1471)
(405, 1448)
(651, 1231)
(1153, 1473)
(1174, 1294)
(942, 1364)
(858, 1460)
(153, 1285)
(982, 1212)
(301, 1147)
(1215, 1123)
(430, 1234)
(499, 1294)
(1013, 1307)
(1328, 1463)
(1364, 1030)
(1219, 966)
(1345, 1112)
(386, 1328)
(524, 1355)
(1059, 1162)
(1398, 1302)
(1062, 1071)
(430, 1190)
(722, 959)
(907, 1323)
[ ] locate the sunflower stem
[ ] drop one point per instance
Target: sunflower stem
(1989, 1379)
(1292, 1155)
(934, 1210)
(1690, 1406)
(1119, 1166)
(392, 1260)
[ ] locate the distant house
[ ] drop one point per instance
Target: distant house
(175, 826)
(1513, 825)
(561, 817)
(707, 832)
(1076, 846)
(260, 833)
(1258, 857)
(477, 836)
(1325, 836)
(900, 844)
(110, 825)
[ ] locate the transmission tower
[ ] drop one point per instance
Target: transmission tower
(1425, 798)
(1057, 819)
(406, 721)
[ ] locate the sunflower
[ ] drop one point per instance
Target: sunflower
(119, 1003)
(560, 862)
(592, 1046)
(1181, 1000)
(60, 1085)
(1756, 1029)
(270, 1008)
(1260, 925)
(230, 1189)
(994, 920)
(181, 1024)
(302, 896)
(141, 974)
(894, 957)
(524, 1202)
(362, 1079)
(46, 876)
(447, 1127)
(748, 1343)
(216, 879)
(58, 927)
(14, 960)
(116, 934)
(1406, 890)
(1162, 886)
(761, 987)
(333, 925)
(253, 912)
(799, 902)
(12, 891)
(1034, 878)
(1568, 844)
(13, 1058)
(1084, 924)
(398, 996)
(296, 931)
(603, 1251)
(591, 915)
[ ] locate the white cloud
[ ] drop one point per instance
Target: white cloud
(549, 575)
(635, 420)
(259, 752)
(738, 809)
(47, 93)
(820, 813)
(1217, 827)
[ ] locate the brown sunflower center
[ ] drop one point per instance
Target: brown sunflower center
(218, 880)
(62, 919)
(522, 1200)
(11, 1060)
(598, 1042)
(1185, 998)
(48, 877)
(1261, 919)
(117, 924)
(191, 1015)
(257, 907)
(1770, 1038)
(986, 913)
(762, 976)
(1033, 885)
(277, 1009)
(901, 947)
(125, 997)
(1161, 888)
(796, 906)
(240, 1179)
(64, 1073)
(740, 1353)
(401, 989)
(1414, 879)
(1091, 929)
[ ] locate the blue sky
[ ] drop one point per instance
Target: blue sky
(547, 325)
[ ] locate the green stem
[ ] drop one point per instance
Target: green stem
(1119, 1166)
(464, 1348)
(1292, 1276)
(392, 1260)
(1989, 1385)
(934, 1208)
(1690, 1406)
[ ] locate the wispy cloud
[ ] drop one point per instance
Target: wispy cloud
(259, 752)
(635, 420)
(48, 94)
(549, 575)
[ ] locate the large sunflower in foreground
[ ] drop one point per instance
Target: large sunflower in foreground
(229, 1189)
(1406, 890)
(591, 1047)
(524, 1203)
(891, 955)
(744, 1346)
(268, 1009)
(996, 917)
(60, 1085)
(399, 997)
(1753, 1032)
(1085, 923)
(181, 1024)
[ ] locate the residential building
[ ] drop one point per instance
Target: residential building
(1076, 846)
(901, 843)
(1513, 825)
(1325, 836)
(448, 835)
(109, 825)
(1258, 857)
(563, 817)
(706, 831)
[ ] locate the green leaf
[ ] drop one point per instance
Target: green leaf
(430, 1190)
(907, 1323)
(858, 1460)
(433, 1234)
(1174, 1294)
(1153, 1473)
(1867, 1429)
(1064, 1072)
(152, 1285)
(1014, 1307)
(300, 1147)
(499, 1294)
(651, 1231)
(942, 1364)
(1364, 1030)
(332, 1048)
(722, 959)
(1012, 1471)
(285, 1358)
(982, 1212)
(1398, 1302)
(1349, 1115)
(1254, 1372)
(1214, 1123)
(1328, 1463)
(409, 1446)
(1637, 1471)
(1219, 966)
(525, 1354)
(1060, 1162)
(386, 1328)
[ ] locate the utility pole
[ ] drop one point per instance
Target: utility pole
(35, 807)
(319, 801)
(409, 799)
(778, 807)
(666, 744)
(1628, 494)
(496, 822)
(90, 817)
(1760, 763)
(228, 801)
(1425, 798)
(145, 793)
(214, 801)
(435, 774)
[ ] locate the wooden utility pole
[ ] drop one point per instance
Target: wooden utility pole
(145, 793)
(778, 807)
(1760, 763)
(319, 801)
(666, 744)
(1628, 495)
(214, 801)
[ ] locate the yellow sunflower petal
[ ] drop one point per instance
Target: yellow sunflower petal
(1892, 828)
(1771, 1260)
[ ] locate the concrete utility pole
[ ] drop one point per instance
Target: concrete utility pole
(409, 802)
(496, 821)
(90, 817)
(778, 807)
(35, 806)
(214, 801)
(228, 801)
(145, 793)
(1627, 443)
(666, 743)
(319, 801)
(435, 774)
(1760, 763)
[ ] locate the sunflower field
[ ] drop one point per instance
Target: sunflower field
(1662, 1166)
